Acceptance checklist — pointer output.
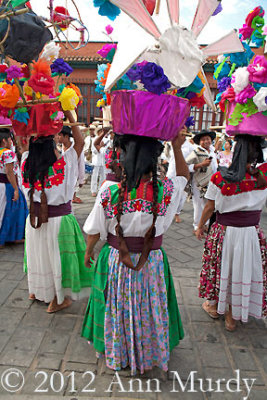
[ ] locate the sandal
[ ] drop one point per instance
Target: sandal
(210, 310)
(77, 200)
(54, 307)
(32, 297)
(230, 323)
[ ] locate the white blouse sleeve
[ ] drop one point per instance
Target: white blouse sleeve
(211, 192)
(96, 221)
(179, 183)
(8, 157)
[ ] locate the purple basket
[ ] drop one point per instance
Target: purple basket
(147, 114)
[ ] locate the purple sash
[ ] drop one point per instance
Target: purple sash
(112, 177)
(134, 244)
(239, 219)
(3, 178)
(54, 211)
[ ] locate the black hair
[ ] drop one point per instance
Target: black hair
(247, 151)
(140, 158)
(4, 134)
(66, 131)
(41, 157)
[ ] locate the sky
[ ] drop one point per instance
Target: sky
(233, 16)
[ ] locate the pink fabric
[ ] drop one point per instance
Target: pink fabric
(228, 44)
(173, 7)
(138, 12)
(255, 125)
(204, 11)
(147, 114)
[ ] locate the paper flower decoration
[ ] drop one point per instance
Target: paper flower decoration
(189, 122)
(260, 99)
(246, 32)
(21, 115)
(9, 96)
(41, 66)
(240, 79)
(68, 99)
(109, 29)
(13, 72)
(107, 9)
(221, 70)
(51, 51)
(108, 51)
(42, 83)
(224, 83)
(247, 93)
(241, 59)
(59, 67)
(151, 76)
(258, 70)
(171, 46)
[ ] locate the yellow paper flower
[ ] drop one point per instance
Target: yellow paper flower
(68, 99)
(27, 90)
(100, 103)
(38, 95)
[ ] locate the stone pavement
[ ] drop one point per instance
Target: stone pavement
(49, 352)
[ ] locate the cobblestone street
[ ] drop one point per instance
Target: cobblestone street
(32, 340)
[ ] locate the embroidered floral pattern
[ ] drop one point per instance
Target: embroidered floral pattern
(143, 201)
(248, 184)
(56, 175)
(7, 157)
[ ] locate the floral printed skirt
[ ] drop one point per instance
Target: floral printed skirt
(141, 321)
(210, 276)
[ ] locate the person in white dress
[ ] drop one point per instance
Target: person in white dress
(133, 306)
(98, 161)
(187, 149)
(235, 255)
(55, 247)
(202, 164)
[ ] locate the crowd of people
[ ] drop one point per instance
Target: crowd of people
(140, 185)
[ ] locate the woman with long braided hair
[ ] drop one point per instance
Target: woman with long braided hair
(132, 316)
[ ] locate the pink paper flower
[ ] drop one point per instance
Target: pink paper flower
(246, 32)
(106, 49)
(264, 32)
(258, 70)
(246, 94)
(109, 29)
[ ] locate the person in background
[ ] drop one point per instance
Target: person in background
(132, 315)
(66, 139)
(13, 206)
(234, 260)
(202, 163)
(225, 156)
(98, 160)
(55, 247)
(187, 149)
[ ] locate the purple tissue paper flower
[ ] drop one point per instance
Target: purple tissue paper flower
(189, 122)
(218, 10)
(134, 73)
(245, 94)
(153, 79)
(59, 66)
(224, 83)
(13, 72)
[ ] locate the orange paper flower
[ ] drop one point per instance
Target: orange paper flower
(41, 66)
(9, 96)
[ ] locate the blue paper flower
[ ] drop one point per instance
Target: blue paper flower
(59, 66)
(241, 59)
(21, 115)
(218, 98)
(107, 9)
(124, 83)
(257, 38)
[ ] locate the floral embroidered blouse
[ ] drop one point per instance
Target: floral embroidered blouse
(225, 160)
(241, 196)
(7, 157)
(61, 181)
(137, 208)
